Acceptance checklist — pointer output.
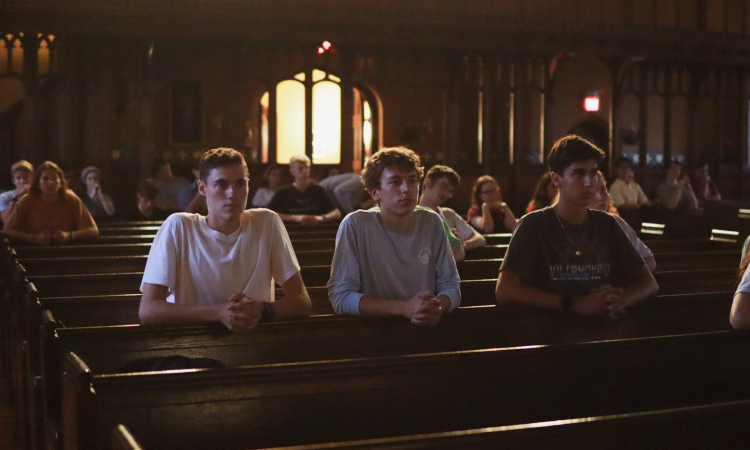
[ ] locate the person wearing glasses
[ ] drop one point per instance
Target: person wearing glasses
(488, 212)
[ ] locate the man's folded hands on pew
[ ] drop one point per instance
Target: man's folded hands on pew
(423, 309)
(603, 301)
(241, 314)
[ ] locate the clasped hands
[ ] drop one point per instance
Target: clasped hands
(45, 238)
(605, 300)
(241, 313)
(423, 309)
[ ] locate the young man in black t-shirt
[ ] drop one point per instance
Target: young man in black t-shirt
(569, 258)
(303, 201)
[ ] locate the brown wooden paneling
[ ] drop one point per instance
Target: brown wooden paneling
(715, 16)
(644, 12)
(734, 13)
(687, 14)
(666, 13)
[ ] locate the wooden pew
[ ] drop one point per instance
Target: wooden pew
(472, 267)
(696, 247)
(715, 425)
(670, 282)
(108, 348)
(402, 395)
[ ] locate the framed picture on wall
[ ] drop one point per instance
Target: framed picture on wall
(185, 113)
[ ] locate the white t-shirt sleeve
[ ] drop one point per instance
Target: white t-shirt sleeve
(640, 247)
(162, 263)
(745, 283)
(283, 260)
(447, 281)
(465, 231)
(5, 199)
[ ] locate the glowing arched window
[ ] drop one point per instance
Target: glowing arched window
(44, 57)
(290, 120)
(367, 129)
(326, 118)
(264, 104)
(17, 57)
(285, 116)
(326, 123)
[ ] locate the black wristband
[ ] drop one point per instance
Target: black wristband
(566, 303)
(269, 312)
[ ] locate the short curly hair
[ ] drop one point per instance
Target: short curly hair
(400, 157)
(219, 157)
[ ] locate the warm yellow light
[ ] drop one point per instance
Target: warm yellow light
(367, 137)
(264, 128)
(300, 76)
(43, 58)
(318, 75)
(290, 120)
(17, 63)
(366, 112)
(326, 122)
(334, 78)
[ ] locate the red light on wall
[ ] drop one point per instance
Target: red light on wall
(591, 104)
(326, 45)
(321, 50)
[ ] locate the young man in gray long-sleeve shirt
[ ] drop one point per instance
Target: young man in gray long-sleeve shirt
(395, 260)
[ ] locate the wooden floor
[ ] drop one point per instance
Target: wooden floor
(7, 420)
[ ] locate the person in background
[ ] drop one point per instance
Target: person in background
(23, 175)
(439, 184)
(145, 209)
(347, 192)
(675, 192)
(488, 212)
(544, 194)
(169, 186)
(71, 180)
(191, 201)
(303, 201)
(703, 186)
(273, 180)
(97, 202)
(50, 213)
(601, 202)
(626, 194)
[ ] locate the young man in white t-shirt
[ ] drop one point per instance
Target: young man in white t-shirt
(439, 184)
(222, 267)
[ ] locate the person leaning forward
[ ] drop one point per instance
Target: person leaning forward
(567, 257)
(221, 267)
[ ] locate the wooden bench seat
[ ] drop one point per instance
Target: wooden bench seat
(714, 425)
(403, 395)
(108, 348)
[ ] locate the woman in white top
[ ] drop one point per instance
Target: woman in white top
(272, 181)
